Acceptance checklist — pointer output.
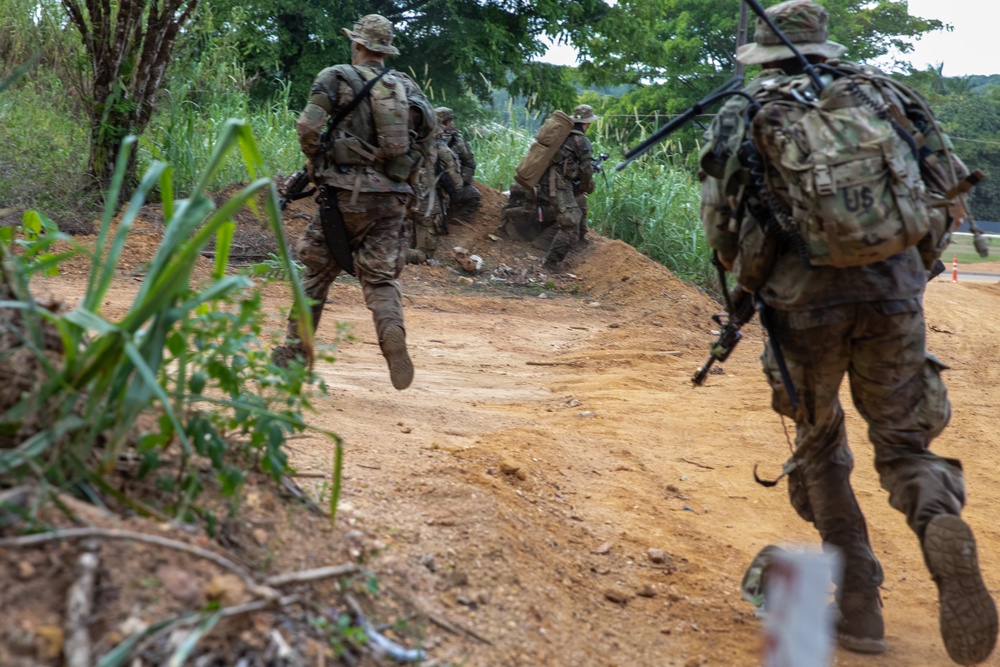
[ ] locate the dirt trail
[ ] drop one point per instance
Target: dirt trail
(547, 443)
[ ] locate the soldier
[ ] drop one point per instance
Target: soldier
(465, 201)
(865, 320)
(363, 169)
(435, 182)
(570, 174)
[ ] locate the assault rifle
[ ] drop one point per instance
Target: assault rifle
(294, 188)
(730, 323)
(598, 165)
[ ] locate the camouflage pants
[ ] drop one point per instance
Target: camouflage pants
(464, 203)
(896, 386)
(581, 201)
(375, 225)
(424, 227)
(567, 222)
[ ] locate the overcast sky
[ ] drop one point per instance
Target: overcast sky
(973, 47)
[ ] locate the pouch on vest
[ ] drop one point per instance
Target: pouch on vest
(853, 184)
(543, 149)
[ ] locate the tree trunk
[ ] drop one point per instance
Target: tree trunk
(128, 60)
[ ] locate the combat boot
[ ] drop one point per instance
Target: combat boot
(282, 354)
(860, 627)
(968, 615)
(393, 346)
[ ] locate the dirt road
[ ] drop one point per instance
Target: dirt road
(552, 437)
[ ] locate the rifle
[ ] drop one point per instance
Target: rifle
(731, 87)
(294, 187)
(730, 323)
(598, 166)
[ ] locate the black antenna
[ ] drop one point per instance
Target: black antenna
(806, 65)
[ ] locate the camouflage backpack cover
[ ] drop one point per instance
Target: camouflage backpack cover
(851, 183)
(543, 149)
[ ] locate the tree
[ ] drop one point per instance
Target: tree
(685, 48)
(454, 47)
(128, 45)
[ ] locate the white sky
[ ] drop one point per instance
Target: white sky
(973, 47)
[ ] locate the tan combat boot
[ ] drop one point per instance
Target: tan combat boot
(393, 346)
(968, 615)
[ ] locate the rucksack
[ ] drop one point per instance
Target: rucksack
(547, 143)
(850, 182)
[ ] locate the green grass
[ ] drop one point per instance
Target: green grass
(961, 246)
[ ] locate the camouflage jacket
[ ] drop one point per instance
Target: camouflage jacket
(362, 169)
(755, 256)
(573, 167)
(461, 149)
(448, 167)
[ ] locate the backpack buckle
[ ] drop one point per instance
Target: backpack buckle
(824, 180)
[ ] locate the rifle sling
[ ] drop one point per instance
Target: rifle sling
(351, 106)
(334, 231)
(779, 358)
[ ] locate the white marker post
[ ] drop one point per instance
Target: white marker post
(799, 627)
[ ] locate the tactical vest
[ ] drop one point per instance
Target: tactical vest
(376, 134)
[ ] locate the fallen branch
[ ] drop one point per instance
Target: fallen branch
(552, 363)
(379, 642)
(695, 463)
(328, 572)
(114, 534)
(79, 604)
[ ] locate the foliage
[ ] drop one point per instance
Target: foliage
(472, 46)
(677, 51)
(128, 45)
(191, 355)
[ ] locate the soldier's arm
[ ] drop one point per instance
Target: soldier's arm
(466, 157)
(585, 155)
(320, 107)
(423, 120)
(715, 218)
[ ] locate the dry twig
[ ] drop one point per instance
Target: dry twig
(328, 572)
(79, 604)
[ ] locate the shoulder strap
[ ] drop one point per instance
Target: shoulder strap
(351, 106)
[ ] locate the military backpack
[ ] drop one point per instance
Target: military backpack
(543, 149)
(847, 174)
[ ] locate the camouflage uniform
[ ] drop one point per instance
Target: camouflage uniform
(465, 200)
(866, 322)
(437, 180)
(571, 174)
(372, 191)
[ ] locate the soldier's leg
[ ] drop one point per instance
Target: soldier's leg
(378, 261)
(465, 202)
(321, 270)
(567, 228)
(897, 387)
(817, 355)
(581, 201)
(426, 231)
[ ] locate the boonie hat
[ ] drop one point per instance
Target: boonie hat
(583, 113)
(804, 24)
(444, 114)
(374, 32)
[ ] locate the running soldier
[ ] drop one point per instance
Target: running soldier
(362, 164)
(776, 212)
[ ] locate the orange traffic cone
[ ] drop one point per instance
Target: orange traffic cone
(954, 269)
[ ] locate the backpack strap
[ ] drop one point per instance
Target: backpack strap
(359, 96)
